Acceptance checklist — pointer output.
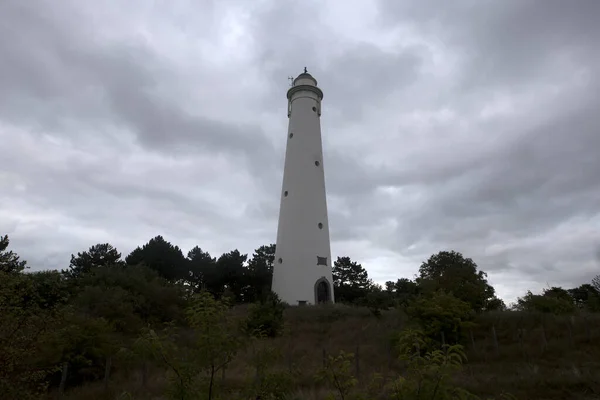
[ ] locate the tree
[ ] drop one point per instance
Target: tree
(216, 341)
(129, 298)
(9, 261)
(558, 293)
(441, 312)
(350, 280)
(586, 296)
(213, 343)
(97, 256)
(495, 304)
(51, 290)
(455, 274)
(265, 318)
(544, 304)
(231, 273)
(260, 273)
(202, 270)
(29, 325)
(161, 256)
(596, 283)
(403, 290)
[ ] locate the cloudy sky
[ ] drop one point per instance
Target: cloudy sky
(470, 125)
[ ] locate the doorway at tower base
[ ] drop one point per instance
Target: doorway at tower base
(322, 291)
(323, 294)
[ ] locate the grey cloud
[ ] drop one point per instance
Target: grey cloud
(414, 162)
(353, 76)
(53, 70)
(506, 43)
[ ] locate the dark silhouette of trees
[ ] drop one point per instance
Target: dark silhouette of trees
(350, 280)
(260, 273)
(202, 270)
(97, 256)
(163, 257)
(9, 261)
(101, 305)
(586, 296)
(231, 274)
(403, 290)
(455, 274)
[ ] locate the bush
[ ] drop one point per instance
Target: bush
(545, 304)
(266, 317)
(441, 313)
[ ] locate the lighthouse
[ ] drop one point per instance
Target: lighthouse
(302, 268)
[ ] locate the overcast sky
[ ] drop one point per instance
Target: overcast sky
(470, 125)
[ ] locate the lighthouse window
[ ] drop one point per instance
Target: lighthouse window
(285, 193)
(291, 135)
(317, 163)
(315, 109)
(280, 260)
(322, 261)
(320, 225)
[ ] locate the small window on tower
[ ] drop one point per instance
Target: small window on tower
(285, 193)
(322, 261)
(280, 260)
(291, 135)
(320, 225)
(317, 163)
(315, 109)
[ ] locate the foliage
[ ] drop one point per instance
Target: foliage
(163, 257)
(552, 301)
(266, 382)
(350, 280)
(495, 304)
(84, 343)
(212, 344)
(231, 273)
(183, 371)
(403, 290)
(216, 340)
(587, 296)
(441, 313)
(9, 261)
(337, 373)
(376, 299)
(129, 298)
(26, 353)
(266, 317)
(260, 274)
(182, 308)
(98, 256)
(452, 272)
(428, 376)
(202, 271)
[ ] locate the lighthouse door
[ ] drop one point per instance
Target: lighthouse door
(322, 291)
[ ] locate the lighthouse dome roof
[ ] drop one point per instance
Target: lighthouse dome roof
(305, 79)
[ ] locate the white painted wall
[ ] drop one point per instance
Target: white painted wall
(299, 239)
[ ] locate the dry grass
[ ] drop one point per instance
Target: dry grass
(535, 357)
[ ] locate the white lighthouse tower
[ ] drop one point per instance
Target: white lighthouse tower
(302, 269)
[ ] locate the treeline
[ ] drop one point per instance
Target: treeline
(101, 303)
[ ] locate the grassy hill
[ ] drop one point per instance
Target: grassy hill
(529, 356)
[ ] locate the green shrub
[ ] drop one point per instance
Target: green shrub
(546, 304)
(266, 318)
(441, 313)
